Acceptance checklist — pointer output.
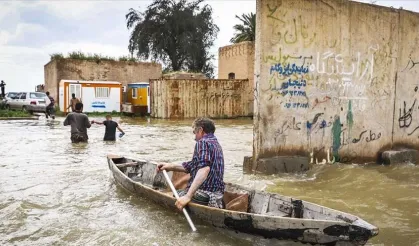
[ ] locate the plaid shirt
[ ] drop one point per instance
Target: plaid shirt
(207, 152)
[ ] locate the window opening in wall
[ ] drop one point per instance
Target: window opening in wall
(102, 92)
(134, 92)
(231, 76)
(76, 89)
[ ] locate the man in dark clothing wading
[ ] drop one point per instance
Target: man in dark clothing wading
(110, 129)
(50, 111)
(79, 123)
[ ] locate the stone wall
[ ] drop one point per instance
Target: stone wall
(51, 79)
(238, 59)
(184, 75)
(177, 98)
(335, 77)
(122, 71)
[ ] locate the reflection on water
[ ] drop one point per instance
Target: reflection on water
(53, 192)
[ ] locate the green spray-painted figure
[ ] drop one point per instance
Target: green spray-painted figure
(336, 132)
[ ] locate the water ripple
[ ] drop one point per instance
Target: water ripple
(53, 192)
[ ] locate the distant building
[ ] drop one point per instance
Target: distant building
(40, 88)
(237, 62)
(74, 69)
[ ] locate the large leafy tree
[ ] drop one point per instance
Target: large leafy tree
(245, 31)
(178, 33)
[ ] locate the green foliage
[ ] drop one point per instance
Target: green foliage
(178, 33)
(56, 56)
(78, 55)
(12, 113)
(128, 59)
(245, 31)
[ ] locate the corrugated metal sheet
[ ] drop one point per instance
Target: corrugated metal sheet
(196, 98)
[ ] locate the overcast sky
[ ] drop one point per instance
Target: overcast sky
(32, 30)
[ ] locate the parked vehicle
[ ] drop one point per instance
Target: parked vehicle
(7, 97)
(29, 101)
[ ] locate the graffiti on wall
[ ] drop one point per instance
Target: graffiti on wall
(328, 77)
(319, 83)
(332, 75)
(340, 132)
(405, 116)
(288, 30)
(407, 113)
(410, 65)
(344, 76)
(288, 82)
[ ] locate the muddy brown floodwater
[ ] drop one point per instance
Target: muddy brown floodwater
(55, 193)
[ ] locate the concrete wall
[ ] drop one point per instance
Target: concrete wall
(123, 72)
(173, 98)
(331, 76)
(238, 59)
(406, 115)
(51, 79)
(184, 75)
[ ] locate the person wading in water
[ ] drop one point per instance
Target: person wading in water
(79, 123)
(110, 129)
(50, 111)
(73, 102)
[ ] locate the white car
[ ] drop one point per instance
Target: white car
(29, 101)
(8, 96)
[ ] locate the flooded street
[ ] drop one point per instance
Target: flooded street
(53, 192)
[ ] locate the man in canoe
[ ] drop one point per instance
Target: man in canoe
(206, 185)
(79, 123)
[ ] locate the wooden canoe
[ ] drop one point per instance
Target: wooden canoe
(248, 211)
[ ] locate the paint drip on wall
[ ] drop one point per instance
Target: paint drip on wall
(336, 132)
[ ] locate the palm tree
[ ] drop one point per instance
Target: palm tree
(245, 31)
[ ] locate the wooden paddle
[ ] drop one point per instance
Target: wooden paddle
(177, 197)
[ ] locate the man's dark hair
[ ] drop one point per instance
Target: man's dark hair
(79, 106)
(73, 95)
(47, 93)
(206, 124)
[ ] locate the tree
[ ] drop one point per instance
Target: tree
(245, 31)
(178, 33)
(199, 58)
